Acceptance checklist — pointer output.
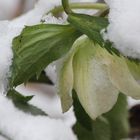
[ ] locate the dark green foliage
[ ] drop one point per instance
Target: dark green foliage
(21, 102)
(92, 26)
(37, 47)
(118, 118)
(43, 78)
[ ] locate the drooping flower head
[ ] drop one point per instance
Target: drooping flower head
(97, 77)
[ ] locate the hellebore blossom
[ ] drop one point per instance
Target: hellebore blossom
(97, 77)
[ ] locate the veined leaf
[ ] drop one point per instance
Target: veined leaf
(92, 27)
(38, 46)
(21, 102)
(89, 25)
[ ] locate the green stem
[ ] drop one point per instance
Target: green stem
(103, 13)
(83, 5)
(65, 4)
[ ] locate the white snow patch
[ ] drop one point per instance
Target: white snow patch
(47, 99)
(50, 19)
(132, 102)
(51, 72)
(124, 28)
(20, 126)
(7, 33)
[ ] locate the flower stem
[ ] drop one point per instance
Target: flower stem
(66, 6)
(83, 5)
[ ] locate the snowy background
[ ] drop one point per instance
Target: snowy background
(21, 126)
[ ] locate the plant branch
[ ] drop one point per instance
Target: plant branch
(66, 6)
(83, 5)
(103, 13)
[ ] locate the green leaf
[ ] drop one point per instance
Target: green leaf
(21, 102)
(43, 78)
(87, 129)
(89, 25)
(92, 27)
(101, 129)
(118, 118)
(38, 46)
(15, 96)
(82, 117)
(82, 133)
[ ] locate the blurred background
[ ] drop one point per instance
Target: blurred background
(10, 9)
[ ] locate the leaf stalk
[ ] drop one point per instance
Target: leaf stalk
(77, 5)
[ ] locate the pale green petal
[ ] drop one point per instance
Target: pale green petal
(91, 82)
(122, 78)
(65, 78)
(65, 83)
(134, 69)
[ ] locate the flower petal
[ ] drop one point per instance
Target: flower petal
(91, 82)
(122, 78)
(65, 83)
(134, 69)
(65, 78)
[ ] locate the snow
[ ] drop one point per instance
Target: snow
(8, 32)
(18, 125)
(132, 102)
(51, 72)
(47, 99)
(124, 27)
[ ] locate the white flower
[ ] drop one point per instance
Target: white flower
(96, 76)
